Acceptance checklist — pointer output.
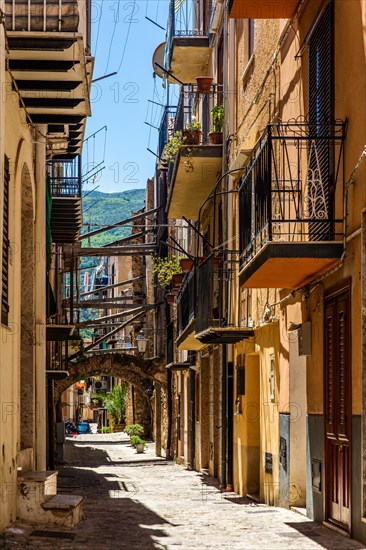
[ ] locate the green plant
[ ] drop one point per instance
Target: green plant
(136, 440)
(193, 126)
(165, 268)
(218, 116)
(173, 146)
(134, 429)
(115, 403)
(106, 430)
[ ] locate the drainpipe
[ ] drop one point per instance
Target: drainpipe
(230, 426)
(192, 431)
(224, 169)
(223, 419)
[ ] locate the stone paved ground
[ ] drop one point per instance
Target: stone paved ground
(140, 502)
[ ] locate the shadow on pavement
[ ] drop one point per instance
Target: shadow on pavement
(111, 513)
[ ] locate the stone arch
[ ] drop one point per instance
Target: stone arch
(133, 370)
(27, 331)
(130, 368)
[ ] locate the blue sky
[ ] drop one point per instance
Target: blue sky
(123, 40)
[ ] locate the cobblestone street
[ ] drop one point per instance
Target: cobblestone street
(135, 501)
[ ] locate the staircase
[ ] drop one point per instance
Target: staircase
(38, 501)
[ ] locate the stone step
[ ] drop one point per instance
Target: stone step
(33, 489)
(65, 510)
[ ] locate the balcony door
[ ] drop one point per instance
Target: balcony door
(338, 408)
(320, 182)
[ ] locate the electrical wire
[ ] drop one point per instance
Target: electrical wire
(127, 36)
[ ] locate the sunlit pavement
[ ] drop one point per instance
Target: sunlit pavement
(139, 501)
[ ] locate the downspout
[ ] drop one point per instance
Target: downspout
(192, 431)
(232, 284)
(224, 354)
(224, 380)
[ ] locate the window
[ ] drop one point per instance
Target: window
(5, 249)
(272, 379)
(197, 397)
(250, 38)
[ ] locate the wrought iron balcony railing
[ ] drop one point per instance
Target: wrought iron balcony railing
(289, 187)
(65, 177)
(210, 286)
(166, 129)
(186, 303)
(194, 107)
(185, 20)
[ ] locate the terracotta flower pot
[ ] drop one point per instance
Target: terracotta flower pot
(186, 264)
(192, 137)
(215, 138)
(177, 280)
(204, 84)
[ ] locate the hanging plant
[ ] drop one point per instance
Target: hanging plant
(165, 268)
(173, 146)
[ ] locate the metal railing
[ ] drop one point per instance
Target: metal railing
(186, 302)
(185, 19)
(210, 285)
(288, 188)
(166, 129)
(196, 107)
(45, 16)
(65, 177)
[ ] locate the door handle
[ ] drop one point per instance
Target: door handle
(340, 448)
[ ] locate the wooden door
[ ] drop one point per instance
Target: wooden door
(338, 409)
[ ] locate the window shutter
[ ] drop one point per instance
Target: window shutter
(321, 116)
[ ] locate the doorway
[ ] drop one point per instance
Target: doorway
(338, 407)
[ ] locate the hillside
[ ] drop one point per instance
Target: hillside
(100, 209)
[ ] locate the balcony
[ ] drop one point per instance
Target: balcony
(291, 205)
(201, 315)
(262, 9)
(187, 50)
(66, 214)
(211, 324)
(196, 168)
(50, 62)
(186, 301)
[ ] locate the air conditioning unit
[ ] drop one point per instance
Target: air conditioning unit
(101, 385)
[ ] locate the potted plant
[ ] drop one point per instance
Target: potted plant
(204, 84)
(186, 264)
(218, 115)
(138, 443)
(134, 429)
(192, 134)
(115, 404)
(165, 268)
(177, 280)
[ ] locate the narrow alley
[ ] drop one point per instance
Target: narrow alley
(139, 501)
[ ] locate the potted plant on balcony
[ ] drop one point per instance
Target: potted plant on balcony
(165, 268)
(216, 137)
(192, 134)
(204, 84)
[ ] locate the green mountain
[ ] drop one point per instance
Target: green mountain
(101, 209)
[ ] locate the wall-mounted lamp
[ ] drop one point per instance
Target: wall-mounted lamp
(141, 341)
